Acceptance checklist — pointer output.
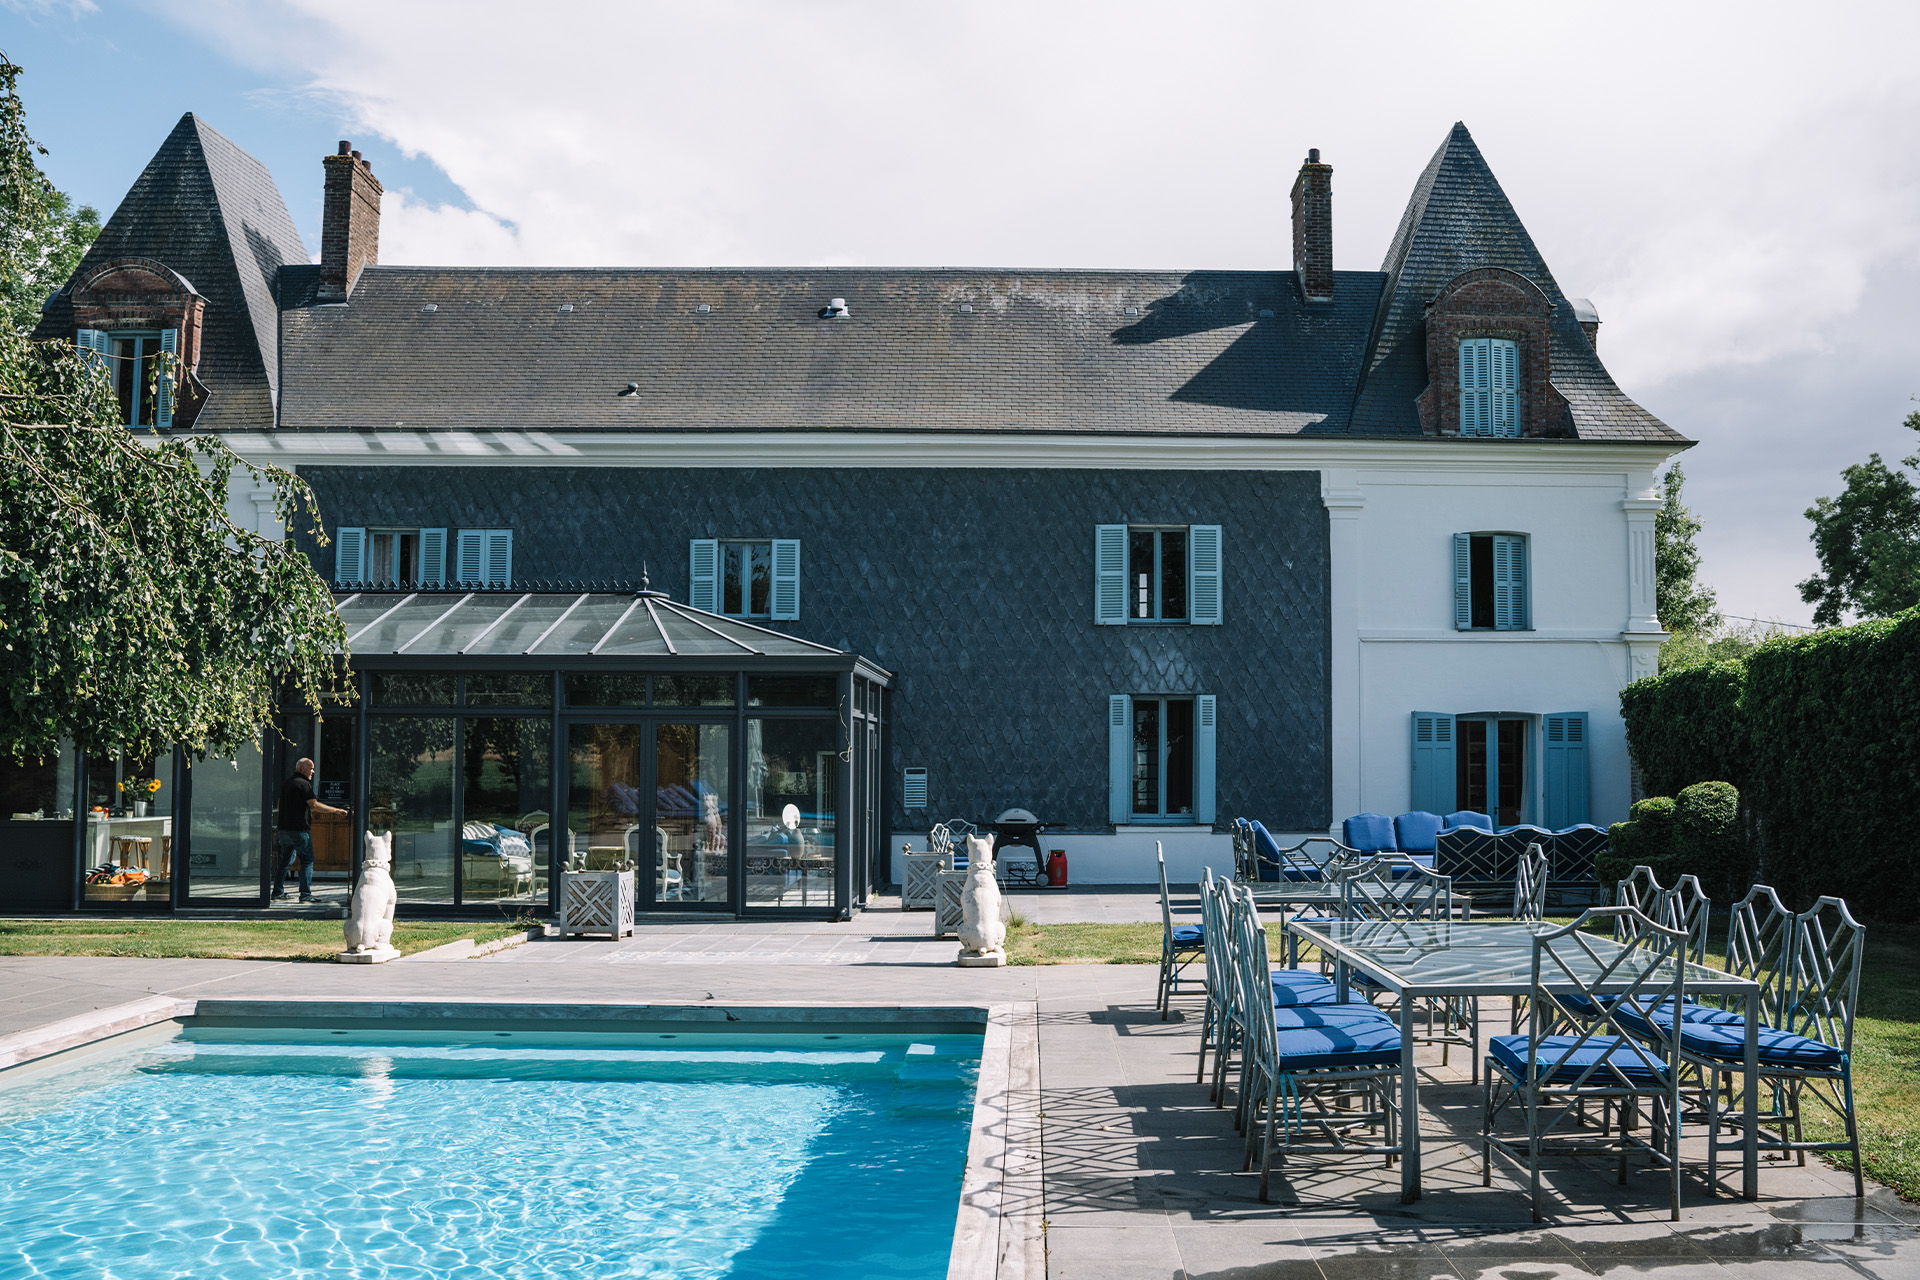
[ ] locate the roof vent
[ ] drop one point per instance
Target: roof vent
(565, 307)
(835, 310)
(1266, 313)
(967, 307)
(1133, 311)
(429, 309)
(703, 308)
(631, 389)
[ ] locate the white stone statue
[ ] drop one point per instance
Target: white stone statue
(369, 923)
(983, 936)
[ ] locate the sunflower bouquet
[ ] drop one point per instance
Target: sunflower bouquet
(137, 789)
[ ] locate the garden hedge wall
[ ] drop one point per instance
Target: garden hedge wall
(1821, 733)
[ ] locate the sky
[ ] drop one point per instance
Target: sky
(1735, 186)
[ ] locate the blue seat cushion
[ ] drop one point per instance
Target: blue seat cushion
(1368, 832)
(1469, 818)
(1299, 978)
(1414, 832)
(1188, 935)
(1298, 1017)
(1637, 1016)
(1289, 991)
(1564, 1063)
(1362, 1043)
(1780, 1050)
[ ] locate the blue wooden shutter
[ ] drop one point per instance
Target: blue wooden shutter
(1203, 575)
(1462, 583)
(1476, 417)
(1119, 758)
(1509, 582)
(786, 579)
(433, 557)
(1566, 769)
(94, 345)
(703, 574)
(163, 393)
(497, 570)
(1110, 575)
(469, 558)
(1203, 759)
(1434, 783)
(1504, 389)
(349, 556)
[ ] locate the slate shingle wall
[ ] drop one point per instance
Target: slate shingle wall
(975, 587)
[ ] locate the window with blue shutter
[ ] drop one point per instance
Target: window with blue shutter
(497, 566)
(1565, 765)
(1435, 783)
(469, 558)
(433, 557)
(94, 346)
(1120, 758)
(703, 574)
(1203, 759)
(1490, 582)
(1489, 387)
(1203, 575)
(349, 556)
(786, 580)
(1110, 575)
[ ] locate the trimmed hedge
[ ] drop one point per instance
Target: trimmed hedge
(1645, 838)
(1695, 833)
(1822, 735)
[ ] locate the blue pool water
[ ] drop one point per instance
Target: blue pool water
(231, 1155)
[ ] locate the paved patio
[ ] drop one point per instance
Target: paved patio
(1139, 1172)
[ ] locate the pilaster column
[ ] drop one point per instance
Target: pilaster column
(1642, 631)
(1345, 503)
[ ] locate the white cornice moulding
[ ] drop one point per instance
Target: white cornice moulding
(989, 449)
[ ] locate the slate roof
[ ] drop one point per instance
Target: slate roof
(211, 212)
(1038, 351)
(1457, 220)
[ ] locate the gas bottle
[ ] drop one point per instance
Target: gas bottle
(1057, 869)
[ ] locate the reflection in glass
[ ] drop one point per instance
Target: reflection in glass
(793, 691)
(227, 826)
(412, 689)
(410, 790)
(129, 853)
(693, 691)
(603, 797)
(505, 827)
(792, 782)
(690, 812)
(510, 689)
(38, 790)
(606, 691)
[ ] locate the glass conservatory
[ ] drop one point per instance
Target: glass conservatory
(505, 738)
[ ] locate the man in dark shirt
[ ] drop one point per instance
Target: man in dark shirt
(297, 807)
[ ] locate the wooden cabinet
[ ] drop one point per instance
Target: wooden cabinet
(332, 845)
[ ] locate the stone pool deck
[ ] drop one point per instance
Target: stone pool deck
(1138, 1172)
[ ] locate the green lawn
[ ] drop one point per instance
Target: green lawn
(1886, 1033)
(225, 939)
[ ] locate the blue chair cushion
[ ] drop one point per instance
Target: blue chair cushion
(1365, 1043)
(1414, 832)
(1468, 818)
(1299, 1017)
(1637, 1017)
(1509, 1053)
(1299, 978)
(1289, 992)
(1188, 935)
(1368, 832)
(1781, 1050)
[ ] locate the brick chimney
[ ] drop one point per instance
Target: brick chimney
(349, 223)
(1313, 229)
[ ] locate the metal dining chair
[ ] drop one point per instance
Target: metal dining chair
(1180, 945)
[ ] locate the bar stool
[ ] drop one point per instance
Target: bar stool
(123, 850)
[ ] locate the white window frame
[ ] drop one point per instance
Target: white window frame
(1115, 593)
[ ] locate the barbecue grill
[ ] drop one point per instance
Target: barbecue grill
(1018, 827)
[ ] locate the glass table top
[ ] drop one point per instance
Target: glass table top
(1456, 957)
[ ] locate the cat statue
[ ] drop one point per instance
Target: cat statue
(369, 922)
(983, 936)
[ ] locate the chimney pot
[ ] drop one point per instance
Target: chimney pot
(1313, 229)
(349, 223)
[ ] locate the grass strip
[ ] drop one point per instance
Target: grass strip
(226, 939)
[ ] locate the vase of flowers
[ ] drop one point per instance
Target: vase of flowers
(136, 793)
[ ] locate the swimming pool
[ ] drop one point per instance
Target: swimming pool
(243, 1153)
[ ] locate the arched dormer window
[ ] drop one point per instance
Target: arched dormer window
(1489, 387)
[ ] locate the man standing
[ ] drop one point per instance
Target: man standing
(298, 804)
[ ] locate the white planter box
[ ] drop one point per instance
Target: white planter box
(596, 902)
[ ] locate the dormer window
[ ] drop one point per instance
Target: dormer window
(1489, 387)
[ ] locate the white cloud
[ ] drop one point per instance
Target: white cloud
(1726, 180)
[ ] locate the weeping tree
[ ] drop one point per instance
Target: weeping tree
(134, 614)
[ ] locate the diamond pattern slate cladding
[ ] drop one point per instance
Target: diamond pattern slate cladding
(975, 587)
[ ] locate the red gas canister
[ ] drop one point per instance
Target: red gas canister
(1057, 869)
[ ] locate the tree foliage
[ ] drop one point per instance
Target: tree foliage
(133, 612)
(1868, 541)
(42, 236)
(1680, 601)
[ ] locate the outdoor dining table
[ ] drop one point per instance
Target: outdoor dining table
(1417, 959)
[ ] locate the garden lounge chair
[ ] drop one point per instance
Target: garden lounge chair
(1180, 945)
(1542, 1080)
